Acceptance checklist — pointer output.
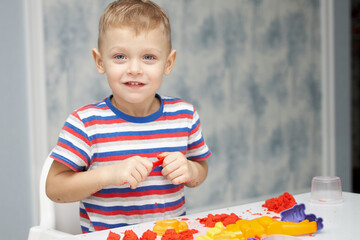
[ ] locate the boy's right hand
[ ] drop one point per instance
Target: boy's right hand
(132, 170)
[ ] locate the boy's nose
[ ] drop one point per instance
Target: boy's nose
(134, 67)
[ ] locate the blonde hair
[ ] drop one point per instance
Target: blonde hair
(140, 15)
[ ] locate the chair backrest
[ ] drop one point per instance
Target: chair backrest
(60, 216)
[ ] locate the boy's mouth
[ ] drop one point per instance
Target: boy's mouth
(134, 84)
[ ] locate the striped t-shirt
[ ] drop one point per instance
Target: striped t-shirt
(99, 134)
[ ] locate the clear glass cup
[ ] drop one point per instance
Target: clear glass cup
(326, 190)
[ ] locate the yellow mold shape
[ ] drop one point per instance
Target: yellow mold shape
(219, 232)
(162, 225)
(259, 227)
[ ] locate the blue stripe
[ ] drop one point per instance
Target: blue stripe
(85, 229)
(172, 99)
(134, 207)
(105, 118)
(195, 124)
(82, 133)
(79, 150)
(179, 112)
(139, 151)
(101, 224)
(197, 142)
(139, 189)
(65, 160)
(199, 156)
(82, 210)
(138, 133)
(109, 118)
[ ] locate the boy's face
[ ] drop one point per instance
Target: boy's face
(134, 64)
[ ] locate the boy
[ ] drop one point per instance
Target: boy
(105, 150)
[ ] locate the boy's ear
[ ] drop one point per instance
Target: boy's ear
(170, 62)
(98, 61)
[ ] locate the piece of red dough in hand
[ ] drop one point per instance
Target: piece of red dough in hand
(158, 162)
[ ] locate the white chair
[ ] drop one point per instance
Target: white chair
(57, 220)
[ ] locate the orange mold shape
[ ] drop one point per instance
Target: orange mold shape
(259, 227)
(162, 225)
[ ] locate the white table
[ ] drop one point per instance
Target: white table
(340, 221)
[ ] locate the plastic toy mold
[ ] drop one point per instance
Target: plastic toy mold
(259, 227)
(297, 214)
(162, 225)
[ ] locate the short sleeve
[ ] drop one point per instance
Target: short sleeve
(73, 146)
(197, 148)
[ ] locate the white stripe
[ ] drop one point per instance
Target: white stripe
(79, 143)
(134, 219)
(135, 201)
(197, 152)
(93, 111)
(139, 144)
(69, 155)
(152, 126)
(195, 137)
(178, 106)
(149, 181)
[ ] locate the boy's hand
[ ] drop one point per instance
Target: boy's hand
(132, 170)
(176, 167)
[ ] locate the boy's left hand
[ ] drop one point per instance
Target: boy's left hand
(176, 167)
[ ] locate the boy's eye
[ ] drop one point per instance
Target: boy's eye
(120, 57)
(148, 57)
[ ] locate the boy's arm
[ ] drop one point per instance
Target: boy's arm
(65, 185)
(200, 170)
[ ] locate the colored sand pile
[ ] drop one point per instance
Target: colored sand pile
(170, 234)
(113, 236)
(162, 225)
(280, 203)
(131, 235)
(226, 219)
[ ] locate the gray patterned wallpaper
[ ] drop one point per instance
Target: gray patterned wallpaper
(250, 67)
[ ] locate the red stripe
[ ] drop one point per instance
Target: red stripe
(123, 157)
(173, 102)
(203, 158)
(135, 212)
(65, 163)
(139, 137)
(197, 145)
(105, 122)
(155, 173)
(99, 228)
(195, 129)
(175, 117)
(69, 148)
(92, 106)
(118, 120)
(76, 134)
(84, 215)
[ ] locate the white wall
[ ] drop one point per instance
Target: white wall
(16, 206)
